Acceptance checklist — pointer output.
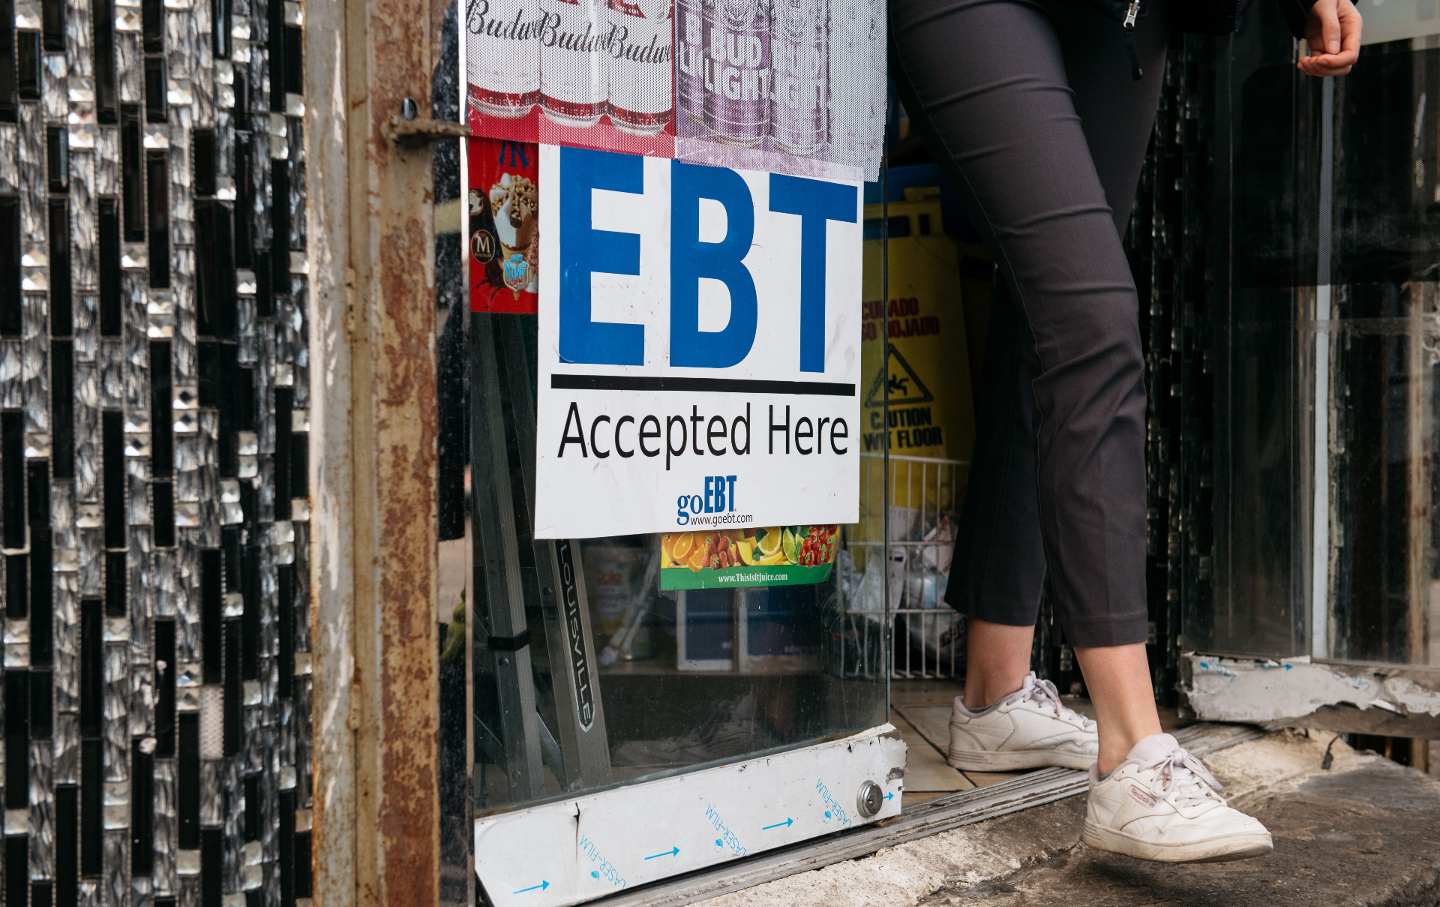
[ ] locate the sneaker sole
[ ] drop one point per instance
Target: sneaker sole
(1213, 850)
(1015, 760)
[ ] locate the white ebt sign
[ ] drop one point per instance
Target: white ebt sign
(699, 347)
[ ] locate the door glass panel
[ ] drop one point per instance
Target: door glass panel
(669, 681)
(1384, 340)
(1255, 127)
(1326, 434)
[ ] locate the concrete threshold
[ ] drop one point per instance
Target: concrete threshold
(1351, 829)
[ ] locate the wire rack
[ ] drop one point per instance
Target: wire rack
(907, 577)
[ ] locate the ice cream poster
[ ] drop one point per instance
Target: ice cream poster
(741, 558)
(503, 236)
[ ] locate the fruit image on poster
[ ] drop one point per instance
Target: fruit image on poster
(504, 225)
(743, 558)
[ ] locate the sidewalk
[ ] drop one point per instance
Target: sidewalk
(1363, 831)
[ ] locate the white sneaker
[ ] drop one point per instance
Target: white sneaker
(1162, 804)
(1030, 728)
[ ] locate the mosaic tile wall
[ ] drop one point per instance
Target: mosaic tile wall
(153, 453)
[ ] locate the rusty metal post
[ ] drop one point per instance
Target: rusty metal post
(375, 627)
(394, 454)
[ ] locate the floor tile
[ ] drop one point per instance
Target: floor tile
(925, 768)
(932, 721)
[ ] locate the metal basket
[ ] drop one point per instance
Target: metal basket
(924, 495)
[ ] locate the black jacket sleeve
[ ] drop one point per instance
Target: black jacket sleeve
(1297, 14)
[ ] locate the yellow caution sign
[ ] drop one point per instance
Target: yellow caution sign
(926, 365)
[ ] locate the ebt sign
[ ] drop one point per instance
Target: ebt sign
(699, 347)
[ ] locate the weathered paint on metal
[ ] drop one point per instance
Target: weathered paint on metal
(393, 447)
(332, 617)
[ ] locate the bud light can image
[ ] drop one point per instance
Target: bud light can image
(690, 38)
(502, 56)
(573, 85)
(639, 41)
(799, 81)
(737, 72)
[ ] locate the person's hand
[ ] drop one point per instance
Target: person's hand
(1333, 35)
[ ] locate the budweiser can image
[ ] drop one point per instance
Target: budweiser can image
(690, 39)
(573, 86)
(639, 40)
(737, 71)
(502, 56)
(799, 97)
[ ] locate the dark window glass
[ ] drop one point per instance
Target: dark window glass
(57, 157)
(42, 611)
(61, 323)
(17, 739)
(52, 14)
(142, 810)
(164, 688)
(152, 24)
(109, 241)
(115, 584)
(132, 173)
(154, 89)
(12, 476)
(102, 19)
(158, 174)
(9, 107)
(67, 856)
(112, 446)
(28, 60)
(212, 591)
(203, 141)
(92, 794)
(62, 408)
(9, 264)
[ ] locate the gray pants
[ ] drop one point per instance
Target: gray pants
(1034, 107)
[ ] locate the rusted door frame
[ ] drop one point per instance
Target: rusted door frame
(369, 215)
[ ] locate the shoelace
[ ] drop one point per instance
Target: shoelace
(1043, 693)
(1187, 777)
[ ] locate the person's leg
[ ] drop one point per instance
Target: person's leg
(1004, 114)
(997, 660)
(998, 570)
(1117, 113)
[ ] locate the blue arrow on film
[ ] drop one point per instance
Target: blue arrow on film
(889, 795)
(672, 852)
(786, 824)
(543, 886)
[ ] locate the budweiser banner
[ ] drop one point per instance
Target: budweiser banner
(794, 86)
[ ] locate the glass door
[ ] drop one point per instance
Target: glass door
(1325, 465)
(612, 693)
(587, 674)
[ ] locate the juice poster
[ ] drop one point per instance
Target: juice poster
(742, 558)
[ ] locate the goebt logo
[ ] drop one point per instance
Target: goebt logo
(718, 497)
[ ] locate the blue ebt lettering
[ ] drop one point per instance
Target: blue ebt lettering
(586, 251)
(719, 497)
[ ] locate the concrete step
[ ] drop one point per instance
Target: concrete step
(1362, 831)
